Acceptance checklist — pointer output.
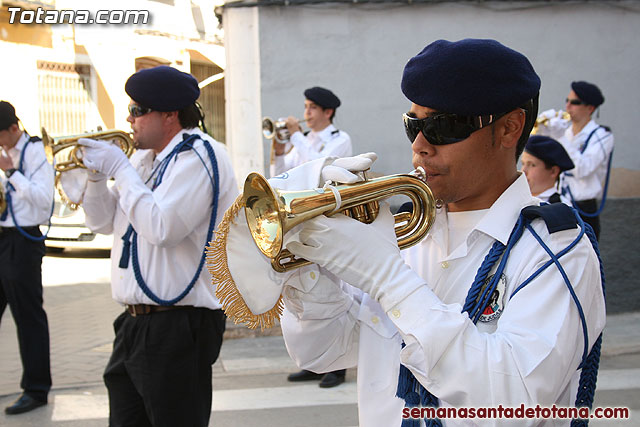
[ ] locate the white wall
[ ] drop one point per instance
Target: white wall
(359, 51)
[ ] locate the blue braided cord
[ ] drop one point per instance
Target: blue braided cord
(134, 236)
(589, 374)
(10, 203)
(126, 247)
(604, 193)
(516, 233)
(581, 224)
(583, 320)
(487, 264)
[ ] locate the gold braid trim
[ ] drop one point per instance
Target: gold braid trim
(232, 302)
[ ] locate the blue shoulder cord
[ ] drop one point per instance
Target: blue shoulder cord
(567, 190)
(130, 237)
(10, 204)
(415, 394)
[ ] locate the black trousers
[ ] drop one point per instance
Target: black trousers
(159, 373)
(590, 206)
(21, 289)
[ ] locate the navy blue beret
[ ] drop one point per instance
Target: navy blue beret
(588, 93)
(163, 88)
(470, 77)
(7, 115)
(323, 97)
(550, 151)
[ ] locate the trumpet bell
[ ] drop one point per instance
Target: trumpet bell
(272, 213)
(263, 215)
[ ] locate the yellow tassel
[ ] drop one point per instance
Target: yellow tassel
(232, 302)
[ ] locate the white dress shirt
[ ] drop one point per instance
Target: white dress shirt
(586, 180)
(328, 142)
(172, 221)
(528, 355)
(32, 197)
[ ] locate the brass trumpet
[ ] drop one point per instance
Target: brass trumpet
(52, 146)
(272, 213)
(276, 130)
(73, 160)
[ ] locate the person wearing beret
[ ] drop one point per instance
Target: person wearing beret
(543, 160)
(590, 146)
(501, 304)
(27, 184)
(161, 210)
(323, 140)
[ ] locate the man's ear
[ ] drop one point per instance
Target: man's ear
(513, 127)
(556, 171)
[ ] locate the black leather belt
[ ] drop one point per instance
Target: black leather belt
(139, 309)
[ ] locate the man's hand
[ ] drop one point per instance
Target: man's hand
(103, 157)
(345, 169)
(365, 256)
(292, 125)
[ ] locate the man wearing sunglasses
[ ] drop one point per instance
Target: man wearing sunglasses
(477, 314)
(590, 146)
(161, 210)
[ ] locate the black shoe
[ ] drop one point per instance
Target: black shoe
(303, 375)
(332, 379)
(25, 403)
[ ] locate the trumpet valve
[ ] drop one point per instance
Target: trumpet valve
(366, 212)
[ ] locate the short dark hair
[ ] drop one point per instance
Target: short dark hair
(531, 114)
(8, 116)
(190, 117)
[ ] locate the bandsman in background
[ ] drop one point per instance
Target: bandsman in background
(590, 147)
(162, 209)
(27, 187)
(543, 160)
(323, 140)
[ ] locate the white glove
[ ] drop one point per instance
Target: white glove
(365, 256)
(341, 170)
(548, 114)
(103, 157)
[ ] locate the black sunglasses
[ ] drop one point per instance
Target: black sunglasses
(443, 128)
(575, 101)
(136, 110)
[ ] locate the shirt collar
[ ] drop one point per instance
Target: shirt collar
(503, 214)
(326, 133)
(175, 141)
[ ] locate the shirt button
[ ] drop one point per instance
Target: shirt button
(444, 264)
(375, 320)
(396, 313)
(312, 275)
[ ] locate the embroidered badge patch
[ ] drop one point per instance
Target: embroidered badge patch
(495, 305)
